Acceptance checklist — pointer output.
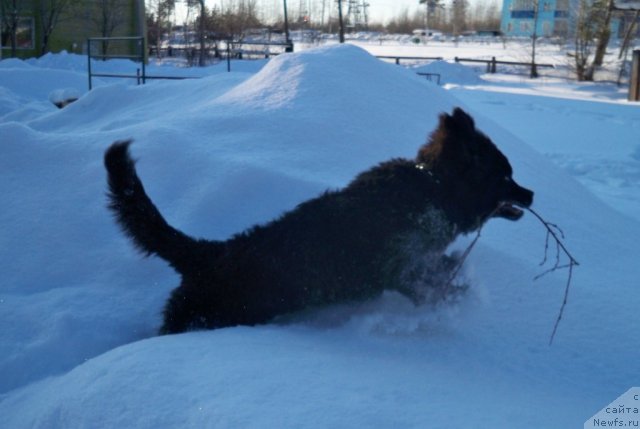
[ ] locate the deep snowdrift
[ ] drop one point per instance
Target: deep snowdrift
(221, 153)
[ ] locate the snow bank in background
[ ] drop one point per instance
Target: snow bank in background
(25, 90)
(73, 62)
(78, 306)
(454, 73)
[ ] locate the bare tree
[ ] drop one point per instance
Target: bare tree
(588, 23)
(455, 18)
(109, 16)
(403, 23)
(202, 34)
(484, 15)
(238, 16)
(157, 15)
(534, 38)
(459, 16)
(604, 32)
(231, 22)
(592, 36)
(629, 34)
(627, 42)
(433, 14)
(51, 12)
(10, 13)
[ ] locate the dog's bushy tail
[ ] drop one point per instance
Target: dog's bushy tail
(139, 217)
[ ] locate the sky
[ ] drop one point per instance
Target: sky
(379, 10)
(382, 10)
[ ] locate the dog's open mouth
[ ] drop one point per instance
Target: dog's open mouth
(508, 210)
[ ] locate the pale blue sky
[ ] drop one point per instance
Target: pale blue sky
(379, 10)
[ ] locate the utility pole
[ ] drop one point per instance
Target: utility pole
(357, 16)
(365, 9)
(341, 21)
(289, 47)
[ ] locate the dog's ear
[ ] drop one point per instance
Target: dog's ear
(452, 135)
(459, 122)
(463, 119)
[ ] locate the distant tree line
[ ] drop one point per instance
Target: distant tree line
(237, 16)
(456, 17)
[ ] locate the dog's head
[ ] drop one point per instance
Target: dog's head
(476, 177)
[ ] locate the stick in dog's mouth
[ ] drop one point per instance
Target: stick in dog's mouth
(508, 210)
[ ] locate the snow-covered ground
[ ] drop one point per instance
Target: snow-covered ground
(79, 308)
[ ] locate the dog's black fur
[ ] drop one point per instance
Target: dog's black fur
(388, 229)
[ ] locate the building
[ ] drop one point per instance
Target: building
(75, 24)
(518, 17)
(555, 17)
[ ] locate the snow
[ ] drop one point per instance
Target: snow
(80, 308)
(451, 73)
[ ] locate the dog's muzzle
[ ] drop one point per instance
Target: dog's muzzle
(518, 197)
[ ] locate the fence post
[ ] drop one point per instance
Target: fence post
(634, 83)
(143, 60)
(493, 64)
(89, 63)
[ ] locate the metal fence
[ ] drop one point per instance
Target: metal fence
(492, 63)
(98, 48)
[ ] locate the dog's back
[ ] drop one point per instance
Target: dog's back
(341, 246)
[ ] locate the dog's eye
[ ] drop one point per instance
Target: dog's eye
(507, 178)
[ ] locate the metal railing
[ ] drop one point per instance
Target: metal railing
(234, 49)
(430, 76)
(138, 42)
(492, 63)
(405, 58)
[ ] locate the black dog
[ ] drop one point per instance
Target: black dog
(388, 229)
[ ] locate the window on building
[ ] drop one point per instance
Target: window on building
(523, 5)
(523, 14)
(561, 27)
(25, 34)
(562, 5)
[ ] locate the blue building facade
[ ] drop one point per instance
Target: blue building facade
(518, 17)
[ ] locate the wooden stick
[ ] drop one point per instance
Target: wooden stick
(551, 231)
